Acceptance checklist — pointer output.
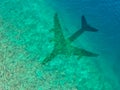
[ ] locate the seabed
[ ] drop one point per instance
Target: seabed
(25, 41)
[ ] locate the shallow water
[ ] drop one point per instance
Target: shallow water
(26, 39)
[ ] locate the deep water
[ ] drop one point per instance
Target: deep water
(105, 16)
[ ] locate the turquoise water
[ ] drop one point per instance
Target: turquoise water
(30, 32)
(104, 15)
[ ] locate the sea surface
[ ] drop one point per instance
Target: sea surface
(27, 38)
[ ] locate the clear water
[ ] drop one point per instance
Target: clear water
(26, 40)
